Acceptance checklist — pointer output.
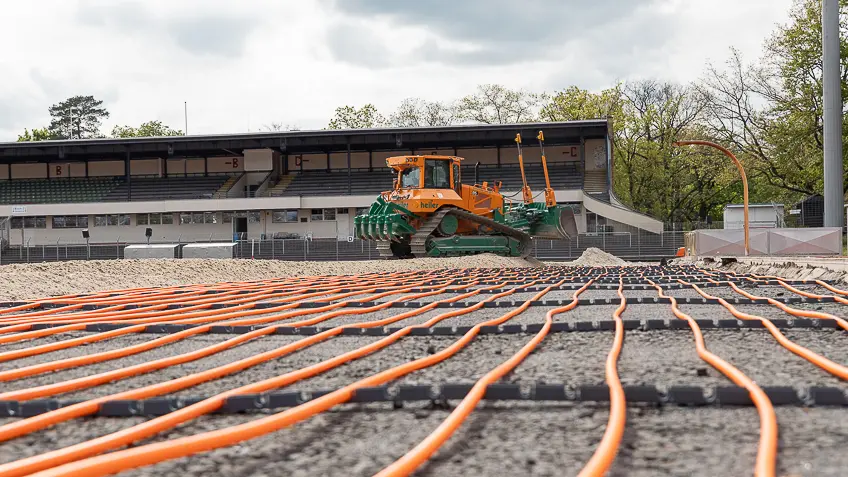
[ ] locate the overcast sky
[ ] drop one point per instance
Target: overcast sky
(243, 64)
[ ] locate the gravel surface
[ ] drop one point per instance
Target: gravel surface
(499, 438)
(38, 280)
(81, 350)
(757, 354)
(172, 349)
(539, 439)
(771, 311)
(346, 320)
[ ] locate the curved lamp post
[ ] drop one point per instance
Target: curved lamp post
(741, 173)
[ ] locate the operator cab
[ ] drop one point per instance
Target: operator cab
(426, 172)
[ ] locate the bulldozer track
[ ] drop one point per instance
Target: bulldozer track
(755, 354)
(418, 242)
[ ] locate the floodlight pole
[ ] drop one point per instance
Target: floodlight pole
(832, 106)
(744, 182)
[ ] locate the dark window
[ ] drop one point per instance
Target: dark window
(436, 174)
(284, 216)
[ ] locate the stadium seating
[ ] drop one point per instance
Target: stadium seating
(316, 183)
(51, 191)
(167, 188)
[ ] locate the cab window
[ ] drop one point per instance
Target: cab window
(436, 174)
(410, 178)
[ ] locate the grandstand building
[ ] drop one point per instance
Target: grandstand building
(280, 184)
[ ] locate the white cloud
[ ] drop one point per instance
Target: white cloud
(240, 65)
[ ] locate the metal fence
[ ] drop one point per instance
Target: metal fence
(5, 232)
(638, 245)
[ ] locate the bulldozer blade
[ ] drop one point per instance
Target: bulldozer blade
(557, 223)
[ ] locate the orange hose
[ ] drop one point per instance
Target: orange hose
(89, 407)
(607, 449)
(262, 426)
(820, 361)
(97, 379)
(418, 455)
(767, 448)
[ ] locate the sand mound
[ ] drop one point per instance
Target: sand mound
(595, 257)
(31, 281)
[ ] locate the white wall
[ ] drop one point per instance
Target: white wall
(225, 164)
(195, 166)
(258, 160)
(106, 168)
(596, 158)
(310, 162)
(758, 217)
(483, 156)
(29, 171)
(145, 167)
(66, 169)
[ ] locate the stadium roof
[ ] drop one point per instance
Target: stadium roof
(301, 142)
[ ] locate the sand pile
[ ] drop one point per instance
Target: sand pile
(595, 257)
(31, 281)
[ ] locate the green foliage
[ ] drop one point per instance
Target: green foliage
(148, 129)
(37, 134)
(770, 112)
(575, 104)
(349, 117)
(77, 117)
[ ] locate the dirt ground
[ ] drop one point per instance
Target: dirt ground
(41, 280)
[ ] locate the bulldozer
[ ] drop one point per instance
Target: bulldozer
(432, 212)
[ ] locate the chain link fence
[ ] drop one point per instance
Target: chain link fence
(638, 245)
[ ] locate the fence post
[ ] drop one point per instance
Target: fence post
(27, 247)
(253, 249)
(337, 248)
(639, 242)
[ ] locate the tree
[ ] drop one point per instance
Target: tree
(349, 117)
(37, 134)
(148, 129)
(575, 104)
(651, 175)
(770, 112)
(77, 117)
(416, 112)
(496, 104)
(275, 126)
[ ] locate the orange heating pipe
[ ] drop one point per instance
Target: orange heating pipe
(420, 453)
(820, 361)
(25, 352)
(812, 314)
(607, 449)
(183, 318)
(109, 376)
(788, 309)
(159, 424)
(158, 364)
(767, 448)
